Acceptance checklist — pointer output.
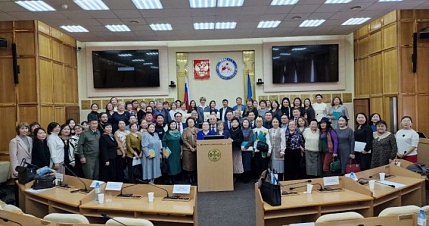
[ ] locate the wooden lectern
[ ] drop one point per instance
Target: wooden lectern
(214, 165)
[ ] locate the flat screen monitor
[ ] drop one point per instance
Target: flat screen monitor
(305, 64)
(125, 68)
(214, 137)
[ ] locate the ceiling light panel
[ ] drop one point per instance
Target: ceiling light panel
(74, 28)
(161, 27)
(269, 24)
(91, 4)
(148, 4)
(311, 23)
(35, 6)
(337, 1)
(202, 3)
(356, 21)
(284, 2)
(230, 3)
(225, 25)
(204, 26)
(118, 28)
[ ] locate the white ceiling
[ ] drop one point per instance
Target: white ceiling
(181, 17)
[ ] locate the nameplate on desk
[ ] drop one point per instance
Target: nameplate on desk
(113, 186)
(328, 181)
(181, 189)
(94, 182)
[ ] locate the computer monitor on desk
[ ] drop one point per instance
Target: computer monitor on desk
(214, 137)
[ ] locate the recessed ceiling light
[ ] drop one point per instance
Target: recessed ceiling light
(118, 28)
(125, 54)
(134, 21)
(74, 28)
(390, 0)
(269, 24)
(284, 2)
(311, 23)
(35, 6)
(225, 25)
(202, 3)
(152, 53)
(337, 1)
(356, 21)
(204, 26)
(230, 3)
(91, 4)
(161, 27)
(356, 7)
(137, 60)
(296, 18)
(148, 4)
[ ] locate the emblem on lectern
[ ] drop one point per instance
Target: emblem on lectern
(214, 155)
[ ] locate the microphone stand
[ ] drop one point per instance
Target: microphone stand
(128, 195)
(84, 185)
(111, 218)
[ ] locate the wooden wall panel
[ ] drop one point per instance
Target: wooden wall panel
(362, 105)
(7, 123)
(375, 65)
(46, 85)
(24, 25)
(363, 47)
(73, 112)
(389, 36)
(406, 14)
(25, 43)
(75, 86)
(376, 105)
(390, 68)
(59, 83)
(422, 111)
(375, 25)
(406, 31)
(363, 31)
(70, 92)
(7, 90)
(46, 115)
(407, 77)
(44, 46)
(408, 103)
(390, 18)
(423, 70)
(60, 114)
(364, 70)
(27, 113)
(27, 88)
(9, 38)
(44, 28)
(375, 42)
(57, 50)
(6, 25)
(386, 113)
(68, 55)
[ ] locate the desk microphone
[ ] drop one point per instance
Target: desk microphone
(7, 220)
(111, 218)
(168, 197)
(302, 182)
(320, 189)
(128, 195)
(84, 185)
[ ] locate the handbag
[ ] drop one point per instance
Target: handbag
(138, 171)
(26, 172)
(165, 168)
(43, 182)
(262, 146)
(335, 165)
(270, 193)
(352, 166)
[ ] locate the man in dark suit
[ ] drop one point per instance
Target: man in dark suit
(212, 123)
(227, 122)
(180, 125)
(268, 118)
(251, 118)
(224, 110)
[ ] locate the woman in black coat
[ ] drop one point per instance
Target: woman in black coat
(363, 133)
(40, 154)
(108, 147)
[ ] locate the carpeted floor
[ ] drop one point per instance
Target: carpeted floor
(228, 208)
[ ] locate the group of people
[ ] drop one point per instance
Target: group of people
(135, 141)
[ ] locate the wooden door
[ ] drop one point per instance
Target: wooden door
(361, 105)
(73, 112)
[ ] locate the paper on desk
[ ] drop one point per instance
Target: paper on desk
(303, 224)
(389, 183)
(113, 186)
(137, 161)
(94, 182)
(359, 146)
(181, 189)
(36, 191)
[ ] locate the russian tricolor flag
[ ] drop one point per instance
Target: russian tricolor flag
(186, 94)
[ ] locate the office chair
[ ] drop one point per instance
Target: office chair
(399, 210)
(66, 218)
(339, 217)
(129, 221)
